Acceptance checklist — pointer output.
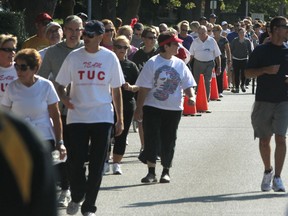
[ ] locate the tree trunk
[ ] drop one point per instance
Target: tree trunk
(132, 10)
(96, 9)
(67, 7)
(32, 8)
(109, 9)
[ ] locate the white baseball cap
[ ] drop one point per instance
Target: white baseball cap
(224, 23)
(51, 24)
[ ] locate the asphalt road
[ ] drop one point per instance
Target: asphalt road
(217, 171)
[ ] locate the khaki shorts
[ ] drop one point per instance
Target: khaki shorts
(269, 118)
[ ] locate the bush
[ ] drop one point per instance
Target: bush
(13, 23)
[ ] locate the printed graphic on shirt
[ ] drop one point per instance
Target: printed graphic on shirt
(166, 81)
(90, 72)
(4, 81)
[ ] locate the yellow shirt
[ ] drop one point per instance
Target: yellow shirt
(36, 43)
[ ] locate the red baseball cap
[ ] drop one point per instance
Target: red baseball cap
(43, 17)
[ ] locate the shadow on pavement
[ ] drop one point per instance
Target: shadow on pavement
(255, 195)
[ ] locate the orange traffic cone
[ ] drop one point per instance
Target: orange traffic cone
(225, 80)
(201, 98)
(214, 95)
(189, 110)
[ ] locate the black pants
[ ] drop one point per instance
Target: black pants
(219, 77)
(120, 141)
(79, 136)
(160, 128)
(62, 167)
(238, 70)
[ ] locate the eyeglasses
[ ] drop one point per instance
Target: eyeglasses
(89, 34)
(8, 49)
(151, 37)
(121, 47)
(109, 30)
(21, 67)
(51, 31)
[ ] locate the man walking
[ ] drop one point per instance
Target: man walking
(269, 63)
(54, 57)
(93, 72)
(205, 50)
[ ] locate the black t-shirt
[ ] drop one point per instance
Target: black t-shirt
(140, 57)
(42, 192)
(131, 73)
(270, 88)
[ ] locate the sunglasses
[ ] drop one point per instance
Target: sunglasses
(8, 49)
(21, 67)
(121, 47)
(283, 26)
(152, 37)
(89, 34)
(109, 30)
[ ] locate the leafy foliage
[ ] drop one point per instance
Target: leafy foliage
(176, 3)
(13, 23)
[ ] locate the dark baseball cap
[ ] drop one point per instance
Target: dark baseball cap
(94, 26)
(203, 18)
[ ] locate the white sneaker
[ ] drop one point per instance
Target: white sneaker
(266, 184)
(64, 198)
(89, 214)
(117, 169)
(278, 185)
(72, 208)
(106, 168)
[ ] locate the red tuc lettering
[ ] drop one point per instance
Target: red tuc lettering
(101, 75)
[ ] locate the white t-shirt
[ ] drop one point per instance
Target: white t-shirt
(7, 75)
(31, 103)
(166, 79)
(92, 75)
(205, 51)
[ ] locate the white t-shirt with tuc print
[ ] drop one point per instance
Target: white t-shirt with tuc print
(92, 75)
(31, 104)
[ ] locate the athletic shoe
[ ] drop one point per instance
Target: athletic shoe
(278, 185)
(72, 208)
(149, 178)
(116, 169)
(165, 178)
(266, 184)
(220, 95)
(106, 168)
(89, 214)
(64, 198)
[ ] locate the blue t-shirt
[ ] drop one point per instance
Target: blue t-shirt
(187, 41)
(270, 88)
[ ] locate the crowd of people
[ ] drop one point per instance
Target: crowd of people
(81, 85)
